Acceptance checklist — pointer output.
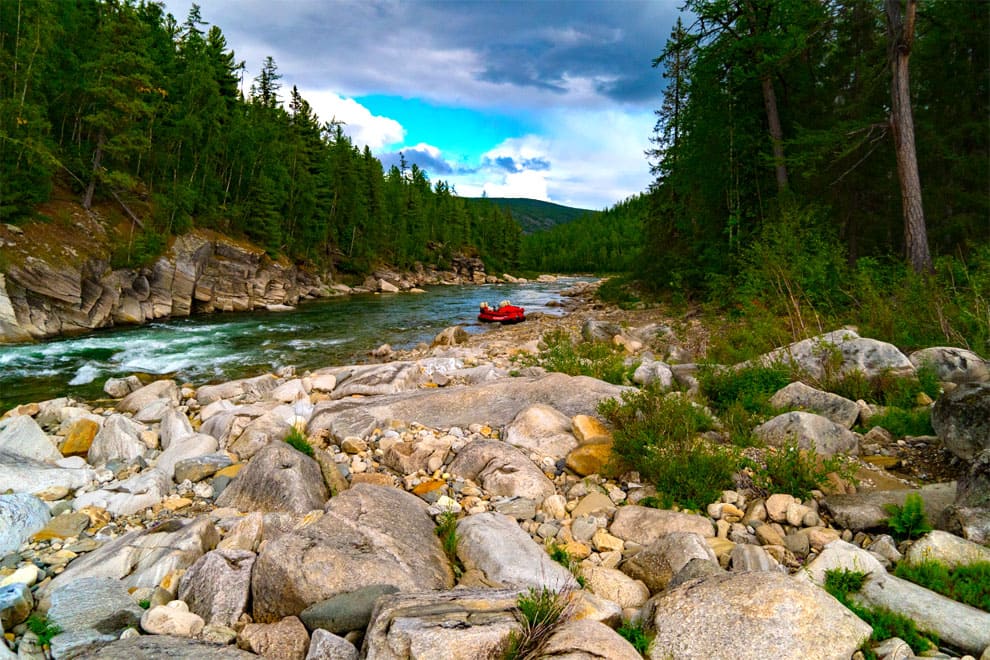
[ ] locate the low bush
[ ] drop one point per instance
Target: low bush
(887, 389)
(597, 359)
(749, 387)
(657, 435)
(966, 584)
(799, 471)
(560, 555)
(618, 291)
(909, 520)
(900, 422)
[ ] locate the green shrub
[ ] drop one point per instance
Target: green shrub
(637, 635)
(539, 611)
(658, 436)
(447, 531)
(618, 291)
(909, 520)
(967, 584)
(42, 627)
(887, 389)
(799, 471)
(900, 422)
(298, 441)
(886, 624)
(598, 359)
(749, 387)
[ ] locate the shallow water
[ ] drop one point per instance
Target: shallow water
(217, 347)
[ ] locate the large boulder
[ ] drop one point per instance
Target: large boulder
(947, 549)
(753, 616)
(163, 646)
(817, 355)
(127, 497)
(21, 515)
(799, 396)
(496, 403)
(961, 419)
(141, 398)
(218, 585)
(953, 365)
(278, 478)
(506, 556)
(20, 435)
(245, 390)
(644, 525)
(808, 431)
(119, 439)
(368, 535)
(502, 470)
(868, 510)
(101, 603)
(658, 563)
(273, 426)
(185, 448)
(542, 430)
(22, 475)
(583, 638)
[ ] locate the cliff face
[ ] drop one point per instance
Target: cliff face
(67, 290)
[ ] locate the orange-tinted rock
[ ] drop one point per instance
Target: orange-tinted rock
(80, 437)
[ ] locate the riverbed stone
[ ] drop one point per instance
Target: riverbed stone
(217, 585)
(119, 439)
(947, 549)
(408, 457)
(502, 470)
(658, 563)
(644, 525)
(808, 431)
(368, 535)
(162, 646)
(22, 436)
(867, 510)
(22, 475)
(79, 437)
(797, 395)
(16, 603)
(197, 468)
(127, 497)
(324, 645)
(589, 430)
(653, 371)
(118, 388)
(101, 603)
(278, 478)
(173, 618)
(451, 336)
(347, 611)
(589, 459)
(244, 390)
(63, 526)
(584, 639)
(952, 364)
(614, 585)
(271, 427)
(541, 429)
(21, 515)
(506, 556)
(758, 615)
(143, 397)
(961, 419)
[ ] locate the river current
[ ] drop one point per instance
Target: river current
(217, 347)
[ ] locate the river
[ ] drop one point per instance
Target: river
(217, 347)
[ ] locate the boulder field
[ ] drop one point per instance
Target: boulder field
(191, 522)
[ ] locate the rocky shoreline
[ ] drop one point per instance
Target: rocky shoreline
(178, 522)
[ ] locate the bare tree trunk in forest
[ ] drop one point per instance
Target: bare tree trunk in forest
(900, 33)
(97, 157)
(776, 132)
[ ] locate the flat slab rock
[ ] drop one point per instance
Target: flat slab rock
(867, 510)
(155, 647)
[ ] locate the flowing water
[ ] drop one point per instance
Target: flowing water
(218, 347)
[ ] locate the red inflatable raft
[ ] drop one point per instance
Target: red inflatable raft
(505, 313)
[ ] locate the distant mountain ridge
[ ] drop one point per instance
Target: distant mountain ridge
(534, 215)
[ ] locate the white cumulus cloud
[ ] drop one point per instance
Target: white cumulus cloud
(363, 127)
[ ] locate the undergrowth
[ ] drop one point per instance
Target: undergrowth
(799, 471)
(43, 628)
(560, 555)
(597, 359)
(909, 520)
(901, 423)
(966, 584)
(657, 435)
(841, 583)
(446, 530)
(637, 635)
(748, 388)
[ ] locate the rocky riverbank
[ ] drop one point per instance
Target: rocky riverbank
(179, 522)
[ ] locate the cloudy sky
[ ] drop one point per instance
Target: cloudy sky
(547, 99)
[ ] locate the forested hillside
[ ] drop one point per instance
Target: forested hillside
(534, 215)
(117, 101)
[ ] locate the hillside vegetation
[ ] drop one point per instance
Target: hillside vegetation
(534, 215)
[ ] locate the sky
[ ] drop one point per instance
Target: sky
(545, 99)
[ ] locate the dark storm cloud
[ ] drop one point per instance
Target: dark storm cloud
(454, 51)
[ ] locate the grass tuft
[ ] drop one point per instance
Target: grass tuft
(539, 611)
(799, 471)
(43, 628)
(447, 532)
(967, 584)
(298, 441)
(598, 359)
(637, 635)
(909, 520)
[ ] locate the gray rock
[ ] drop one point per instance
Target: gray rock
(345, 612)
(953, 365)
(585, 639)
(269, 428)
(696, 569)
(657, 563)
(127, 497)
(187, 447)
(867, 510)
(118, 439)
(644, 525)
(376, 379)
(502, 470)
(21, 436)
(451, 336)
(463, 624)
(650, 372)
(246, 389)
(961, 419)
(324, 645)
(217, 586)
(594, 330)
(745, 557)
(142, 558)
(808, 431)
(287, 639)
(175, 426)
(946, 549)
(960, 626)
(614, 585)
(148, 647)
(497, 403)
(278, 478)
(198, 468)
(141, 398)
(77, 643)
(22, 475)
(368, 535)
(758, 615)
(16, 603)
(799, 396)
(870, 357)
(506, 555)
(21, 515)
(101, 603)
(118, 388)
(541, 429)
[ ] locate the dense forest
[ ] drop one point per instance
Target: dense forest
(117, 101)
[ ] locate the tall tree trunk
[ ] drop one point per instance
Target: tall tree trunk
(97, 157)
(900, 33)
(776, 132)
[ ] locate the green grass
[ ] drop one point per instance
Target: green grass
(886, 624)
(887, 389)
(909, 520)
(40, 626)
(901, 422)
(539, 611)
(657, 435)
(598, 359)
(298, 441)
(798, 471)
(637, 635)
(560, 555)
(966, 584)
(447, 532)
(749, 388)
